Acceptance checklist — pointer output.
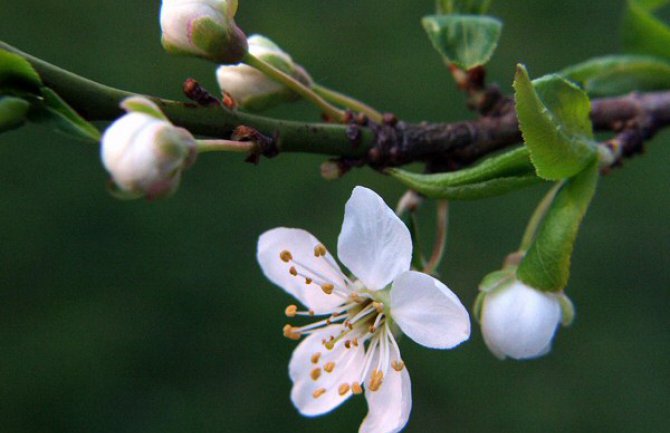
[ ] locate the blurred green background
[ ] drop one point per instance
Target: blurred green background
(136, 317)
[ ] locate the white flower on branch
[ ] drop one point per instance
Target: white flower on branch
(251, 88)
(144, 152)
(354, 347)
(204, 28)
(520, 322)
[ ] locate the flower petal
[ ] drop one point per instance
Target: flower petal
(300, 244)
(347, 365)
(519, 321)
(374, 244)
(428, 312)
(388, 407)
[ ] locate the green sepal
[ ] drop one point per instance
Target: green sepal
(554, 120)
(473, 7)
(140, 104)
(13, 112)
(494, 176)
(53, 109)
(567, 310)
(491, 282)
(546, 265)
(643, 33)
(17, 74)
(616, 75)
(464, 40)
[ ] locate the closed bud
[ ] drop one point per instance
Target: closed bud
(252, 89)
(144, 152)
(519, 321)
(203, 28)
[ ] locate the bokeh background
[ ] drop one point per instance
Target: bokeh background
(136, 317)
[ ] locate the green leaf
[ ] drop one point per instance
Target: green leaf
(554, 120)
(615, 75)
(55, 110)
(17, 74)
(546, 265)
(474, 7)
(464, 40)
(643, 33)
(13, 112)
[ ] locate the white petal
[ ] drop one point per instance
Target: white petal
(390, 406)
(428, 312)
(374, 244)
(348, 366)
(519, 321)
(321, 269)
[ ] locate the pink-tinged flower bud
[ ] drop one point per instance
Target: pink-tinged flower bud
(144, 152)
(252, 89)
(203, 28)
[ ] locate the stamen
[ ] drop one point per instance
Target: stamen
(315, 374)
(355, 341)
(293, 271)
(374, 326)
(319, 250)
(329, 367)
(347, 344)
(291, 311)
(308, 281)
(316, 357)
(319, 392)
(378, 306)
(286, 256)
(328, 288)
(291, 332)
(356, 388)
(398, 365)
(376, 380)
(343, 389)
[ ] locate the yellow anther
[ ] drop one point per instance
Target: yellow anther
(293, 271)
(398, 365)
(329, 344)
(378, 306)
(291, 332)
(357, 298)
(356, 388)
(328, 288)
(355, 341)
(376, 380)
(291, 310)
(347, 344)
(285, 256)
(315, 374)
(315, 358)
(319, 392)
(343, 389)
(311, 312)
(329, 367)
(373, 329)
(308, 281)
(319, 251)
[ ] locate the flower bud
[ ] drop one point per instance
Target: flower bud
(203, 28)
(519, 321)
(252, 89)
(144, 152)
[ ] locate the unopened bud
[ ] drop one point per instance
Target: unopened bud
(252, 89)
(144, 152)
(203, 28)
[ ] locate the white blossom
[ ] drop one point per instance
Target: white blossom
(144, 152)
(353, 348)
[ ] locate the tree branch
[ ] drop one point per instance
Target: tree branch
(442, 146)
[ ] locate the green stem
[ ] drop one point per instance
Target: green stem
(347, 101)
(98, 102)
(204, 146)
(537, 218)
(295, 85)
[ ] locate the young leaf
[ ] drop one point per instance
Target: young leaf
(56, 110)
(615, 75)
(17, 74)
(464, 40)
(546, 265)
(12, 112)
(554, 120)
(467, 7)
(643, 33)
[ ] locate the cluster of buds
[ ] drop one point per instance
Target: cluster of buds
(251, 88)
(145, 153)
(204, 28)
